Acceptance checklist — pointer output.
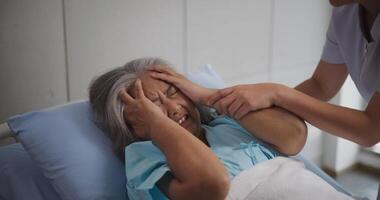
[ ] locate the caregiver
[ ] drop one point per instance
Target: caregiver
(352, 47)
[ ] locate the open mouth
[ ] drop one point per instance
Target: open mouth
(182, 119)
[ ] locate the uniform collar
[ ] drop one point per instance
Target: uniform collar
(375, 31)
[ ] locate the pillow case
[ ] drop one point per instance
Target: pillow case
(18, 171)
(73, 152)
(206, 77)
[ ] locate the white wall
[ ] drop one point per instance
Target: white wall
(234, 36)
(246, 41)
(32, 57)
(104, 34)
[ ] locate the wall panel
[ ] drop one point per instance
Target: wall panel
(299, 29)
(32, 58)
(104, 34)
(233, 36)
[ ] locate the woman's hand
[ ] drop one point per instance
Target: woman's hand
(140, 112)
(196, 93)
(238, 100)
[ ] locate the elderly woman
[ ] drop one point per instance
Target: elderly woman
(175, 148)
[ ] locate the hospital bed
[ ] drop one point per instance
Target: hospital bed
(5, 132)
(63, 153)
(29, 156)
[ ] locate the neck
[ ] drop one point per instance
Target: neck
(203, 138)
(369, 10)
(372, 7)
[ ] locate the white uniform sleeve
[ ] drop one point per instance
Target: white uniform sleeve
(331, 51)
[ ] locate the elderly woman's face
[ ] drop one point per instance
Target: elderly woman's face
(175, 105)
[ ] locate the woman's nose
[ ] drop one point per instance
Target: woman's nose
(171, 107)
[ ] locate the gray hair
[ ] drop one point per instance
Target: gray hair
(108, 108)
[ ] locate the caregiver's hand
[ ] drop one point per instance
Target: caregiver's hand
(196, 93)
(238, 100)
(140, 112)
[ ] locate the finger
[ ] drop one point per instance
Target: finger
(219, 94)
(242, 111)
(161, 96)
(139, 89)
(217, 108)
(225, 102)
(163, 69)
(165, 77)
(235, 106)
(125, 97)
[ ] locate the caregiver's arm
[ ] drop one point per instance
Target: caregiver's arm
(197, 172)
(325, 82)
(362, 127)
(281, 129)
(284, 130)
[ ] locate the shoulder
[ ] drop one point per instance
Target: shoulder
(345, 15)
(140, 145)
(145, 164)
(345, 10)
(344, 26)
(145, 149)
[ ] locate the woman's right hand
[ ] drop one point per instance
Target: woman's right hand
(140, 112)
(196, 93)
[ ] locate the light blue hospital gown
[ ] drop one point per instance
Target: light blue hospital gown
(233, 145)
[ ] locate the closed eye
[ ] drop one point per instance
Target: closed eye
(172, 91)
(157, 102)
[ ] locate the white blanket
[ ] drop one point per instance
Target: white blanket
(281, 178)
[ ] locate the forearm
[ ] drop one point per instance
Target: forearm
(344, 122)
(283, 130)
(186, 155)
(312, 88)
(325, 82)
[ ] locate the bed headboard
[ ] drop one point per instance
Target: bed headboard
(5, 132)
(6, 136)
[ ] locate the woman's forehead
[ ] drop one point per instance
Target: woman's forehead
(152, 86)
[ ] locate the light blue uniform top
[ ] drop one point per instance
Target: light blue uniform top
(346, 44)
(236, 148)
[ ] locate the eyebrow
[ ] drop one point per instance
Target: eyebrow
(165, 93)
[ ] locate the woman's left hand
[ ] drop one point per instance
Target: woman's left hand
(238, 100)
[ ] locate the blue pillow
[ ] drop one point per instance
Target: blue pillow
(73, 153)
(206, 77)
(18, 171)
